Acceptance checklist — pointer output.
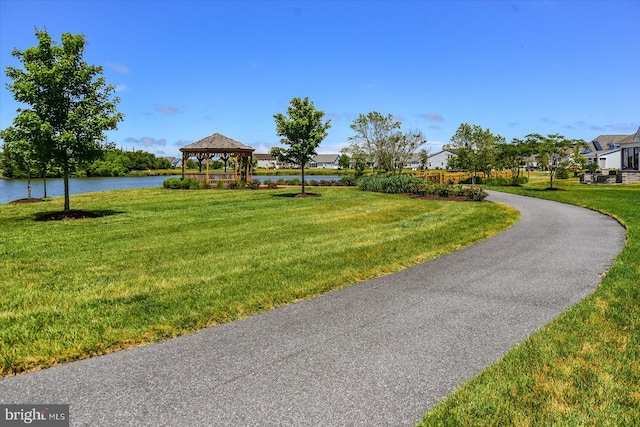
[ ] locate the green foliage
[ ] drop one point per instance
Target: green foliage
(270, 184)
(476, 149)
(387, 183)
(379, 141)
(302, 129)
(348, 180)
(562, 173)
(412, 185)
(253, 184)
(550, 151)
(174, 183)
(178, 184)
(120, 163)
(499, 181)
(68, 99)
(344, 161)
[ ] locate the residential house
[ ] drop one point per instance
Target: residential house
(414, 162)
(325, 161)
(605, 151)
(630, 159)
(266, 161)
(176, 162)
(440, 160)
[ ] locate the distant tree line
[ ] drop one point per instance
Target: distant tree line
(112, 162)
(478, 150)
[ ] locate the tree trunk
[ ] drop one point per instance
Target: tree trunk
(28, 185)
(66, 185)
(44, 182)
(302, 179)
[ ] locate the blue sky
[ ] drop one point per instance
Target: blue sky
(187, 69)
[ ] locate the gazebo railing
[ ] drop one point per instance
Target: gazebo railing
(213, 176)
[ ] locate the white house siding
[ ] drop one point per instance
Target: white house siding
(607, 160)
(439, 160)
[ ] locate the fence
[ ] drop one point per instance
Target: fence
(445, 177)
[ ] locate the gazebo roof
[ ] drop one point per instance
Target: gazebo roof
(217, 143)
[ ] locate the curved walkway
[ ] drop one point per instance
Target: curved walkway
(378, 353)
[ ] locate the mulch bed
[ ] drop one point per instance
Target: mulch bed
(65, 216)
(436, 197)
(27, 200)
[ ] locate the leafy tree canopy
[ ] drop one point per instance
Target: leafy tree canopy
(70, 98)
(303, 129)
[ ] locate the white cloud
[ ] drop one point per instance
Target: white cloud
(146, 141)
(118, 68)
(167, 109)
(432, 117)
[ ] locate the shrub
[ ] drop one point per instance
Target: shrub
(172, 183)
(475, 193)
(232, 185)
(562, 173)
(253, 184)
(177, 183)
(443, 190)
(219, 184)
(313, 183)
(348, 181)
(190, 184)
(387, 183)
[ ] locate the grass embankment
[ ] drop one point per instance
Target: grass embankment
(162, 263)
(583, 369)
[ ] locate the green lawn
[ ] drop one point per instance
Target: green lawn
(162, 263)
(583, 369)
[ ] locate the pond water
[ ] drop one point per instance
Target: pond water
(13, 189)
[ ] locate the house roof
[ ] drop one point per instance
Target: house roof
(326, 158)
(217, 143)
(264, 157)
(633, 138)
(594, 154)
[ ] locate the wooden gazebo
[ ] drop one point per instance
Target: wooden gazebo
(218, 145)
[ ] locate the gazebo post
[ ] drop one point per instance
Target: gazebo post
(184, 165)
(207, 172)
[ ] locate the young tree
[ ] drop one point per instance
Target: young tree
(551, 150)
(402, 147)
(373, 133)
(69, 96)
(21, 143)
(344, 161)
(424, 159)
(383, 145)
(476, 149)
(513, 156)
(302, 129)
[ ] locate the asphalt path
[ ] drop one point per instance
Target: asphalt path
(377, 353)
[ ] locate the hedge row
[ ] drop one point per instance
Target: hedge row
(413, 185)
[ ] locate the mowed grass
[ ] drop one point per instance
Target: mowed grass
(162, 263)
(583, 369)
